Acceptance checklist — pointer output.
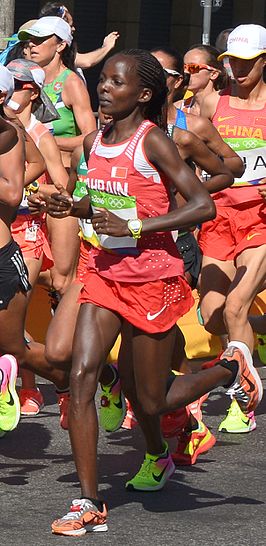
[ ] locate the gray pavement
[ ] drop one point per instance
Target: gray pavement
(220, 500)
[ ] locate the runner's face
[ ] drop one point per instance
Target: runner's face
(23, 97)
(198, 81)
(43, 50)
(119, 89)
(247, 72)
(173, 82)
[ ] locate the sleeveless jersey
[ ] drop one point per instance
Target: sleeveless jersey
(65, 126)
(120, 179)
(245, 132)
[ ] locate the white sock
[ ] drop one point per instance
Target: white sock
(243, 348)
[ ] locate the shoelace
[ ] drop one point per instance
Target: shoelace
(238, 392)
(145, 469)
(77, 508)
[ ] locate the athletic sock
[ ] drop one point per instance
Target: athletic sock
(115, 376)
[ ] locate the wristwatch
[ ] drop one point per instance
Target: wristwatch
(135, 228)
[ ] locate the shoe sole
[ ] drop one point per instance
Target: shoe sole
(83, 531)
(131, 487)
(31, 414)
(12, 390)
(225, 430)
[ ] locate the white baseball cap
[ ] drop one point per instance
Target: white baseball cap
(7, 84)
(46, 26)
(246, 42)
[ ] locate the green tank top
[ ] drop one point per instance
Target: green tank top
(65, 126)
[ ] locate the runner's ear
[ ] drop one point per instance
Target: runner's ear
(145, 95)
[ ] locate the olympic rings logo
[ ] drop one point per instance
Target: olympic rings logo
(116, 203)
(250, 144)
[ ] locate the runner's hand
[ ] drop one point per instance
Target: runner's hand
(107, 223)
(36, 203)
(60, 204)
(110, 39)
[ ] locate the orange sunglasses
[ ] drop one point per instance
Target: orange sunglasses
(194, 68)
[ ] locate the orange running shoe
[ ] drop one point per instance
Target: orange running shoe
(174, 422)
(192, 444)
(63, 403)
(31, 401)
(83, 518)
(130, 420)
(247, 388)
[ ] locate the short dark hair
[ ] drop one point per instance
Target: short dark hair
(53, 8)
(172, 52)
(221, 40)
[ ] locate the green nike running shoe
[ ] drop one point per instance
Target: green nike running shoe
(9, 401)
(153, 473)
(237, 422)
(112, 405)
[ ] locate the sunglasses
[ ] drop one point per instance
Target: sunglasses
(169, 72)
(194, 68)
(19, 85)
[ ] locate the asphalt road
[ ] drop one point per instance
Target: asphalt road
(220, 500)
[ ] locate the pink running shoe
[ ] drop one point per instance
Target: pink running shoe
(9, 401)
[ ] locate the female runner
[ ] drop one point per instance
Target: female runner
(50, 45)
(234, 244)
(135, 280)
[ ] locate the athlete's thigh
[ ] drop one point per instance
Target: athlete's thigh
(152, 358)
(60, 333)
(96, 331)
(216, 278)
(12, 321)
(250, 274)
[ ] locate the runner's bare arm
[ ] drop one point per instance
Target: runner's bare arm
(206, 131)
(191, 147)
(75, 95)
(87, 60)
(61, 204)
(54, 165)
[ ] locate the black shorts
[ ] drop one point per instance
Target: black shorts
(191, 254)
(13, 273)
